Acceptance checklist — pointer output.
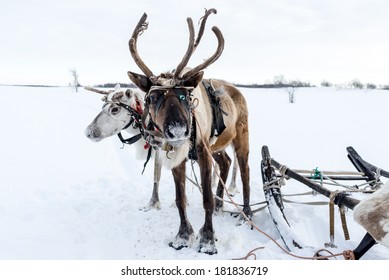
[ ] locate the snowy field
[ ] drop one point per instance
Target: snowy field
(65, 197)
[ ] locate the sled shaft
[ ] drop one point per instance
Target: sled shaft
(364, 166)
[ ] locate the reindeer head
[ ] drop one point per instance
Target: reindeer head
(116, 113)
(168, 96)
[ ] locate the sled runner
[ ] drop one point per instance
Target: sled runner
(274, 175)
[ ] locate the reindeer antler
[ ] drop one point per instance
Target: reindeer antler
(192, 48)
(140, 27)
(203, 20)
(189, 52)
(97, 90)
(210, 60)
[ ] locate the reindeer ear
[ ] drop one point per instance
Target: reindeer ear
(194, 80)
(128, 93)
(117, 87)
(141, 81)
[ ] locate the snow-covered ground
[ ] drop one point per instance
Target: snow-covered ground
(65, 197)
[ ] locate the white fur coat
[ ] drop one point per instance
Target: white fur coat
(373, 214)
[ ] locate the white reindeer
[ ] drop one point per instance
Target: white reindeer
(122, 111)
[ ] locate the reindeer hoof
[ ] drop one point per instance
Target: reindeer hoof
(242, 219)
(182, 242)
(247, 211)
(232, 190)
(218, 205)
(176, 246)
(151, 206)
(145, 208)
(209, 248)
(207, 242)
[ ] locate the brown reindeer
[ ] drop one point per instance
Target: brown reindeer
(179, 107)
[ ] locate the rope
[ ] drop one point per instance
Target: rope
(319, 203)
(299, 194)
(378, 183)
(194, 182)
(335, 183)
(349, 255)
(283, 169)
(250, 254)
(317, 254)
(271, 185)
(317, 174)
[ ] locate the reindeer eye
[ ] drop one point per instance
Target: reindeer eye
(115, 110)
(182, 97)
(153, 97)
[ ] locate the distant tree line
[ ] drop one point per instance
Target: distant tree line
(280, 82)
(291, 84)
(355, 84)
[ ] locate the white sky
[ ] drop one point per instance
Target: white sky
(310, 40)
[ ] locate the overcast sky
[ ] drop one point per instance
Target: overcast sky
(310, 40)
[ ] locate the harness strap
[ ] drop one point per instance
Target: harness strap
(130, 140)
(334, 200)
(217, 111)
(147, 159)
(332, 222)
(193, 150)
(344, 223)
(134, 113)
(129, 124)
(135, 121)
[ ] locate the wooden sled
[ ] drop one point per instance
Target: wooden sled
(274, 173)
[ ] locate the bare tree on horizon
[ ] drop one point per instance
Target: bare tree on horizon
(75, 83)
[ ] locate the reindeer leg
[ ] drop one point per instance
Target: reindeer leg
(232, 189)
(154, 202)
(215, 178)
(223, 140)
(185, 233)
(207, 241)
(241, 146)
(224, 162)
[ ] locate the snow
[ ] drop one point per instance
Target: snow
(66, 197)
